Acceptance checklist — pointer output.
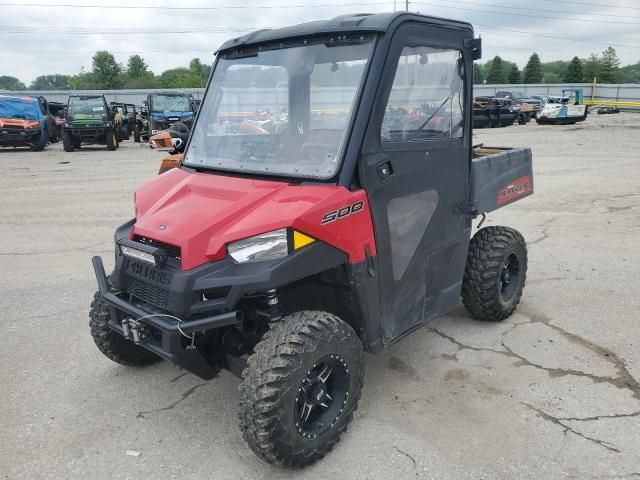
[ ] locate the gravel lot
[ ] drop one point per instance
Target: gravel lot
(553, 392)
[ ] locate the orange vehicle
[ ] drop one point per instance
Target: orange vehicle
(173, 141)
(22, 123)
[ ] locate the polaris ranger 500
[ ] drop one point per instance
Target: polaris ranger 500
(282, 253)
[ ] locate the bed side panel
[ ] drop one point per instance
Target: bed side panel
(501, 178)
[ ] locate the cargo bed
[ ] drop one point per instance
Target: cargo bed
(500, 176)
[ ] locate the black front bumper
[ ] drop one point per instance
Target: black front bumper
(163, 334)
(91, 134)
(19, 136)
(196, 300)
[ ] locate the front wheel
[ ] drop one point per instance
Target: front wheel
(113, 345)
(495, 273)
(40, 144)
(300, 388)
(112, 141)
(67, 142)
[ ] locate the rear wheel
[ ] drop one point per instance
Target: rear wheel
(40, 143)
(113, 345)
(67, 142)
(112, 141)
(495, 273)
(300, 388)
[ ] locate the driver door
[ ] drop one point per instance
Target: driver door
(415, 168)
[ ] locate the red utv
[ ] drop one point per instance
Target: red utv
(282, 255)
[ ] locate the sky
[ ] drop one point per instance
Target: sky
(59, 36)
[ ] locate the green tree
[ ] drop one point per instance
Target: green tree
(199, 72)
(551, 78)
(106, 71)
(610, 66)
(514, 75)
(138, 74)
(8, 82)
(478, 77)
(149, 81)
(557, 67)
(50, 82)
(176, 78)
(630, 73)
(496, 72)
(136, 67)
(533, 70)
(574, 71)
(592, 68)
(82, 81)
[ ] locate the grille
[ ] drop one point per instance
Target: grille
(158, 297)
(171, 250)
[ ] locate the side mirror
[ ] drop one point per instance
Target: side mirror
(475, 44)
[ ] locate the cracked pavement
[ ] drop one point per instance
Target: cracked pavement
(552, 392)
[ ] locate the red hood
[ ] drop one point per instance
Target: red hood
(202, 213)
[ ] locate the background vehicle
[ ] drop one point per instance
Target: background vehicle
(49, 119)
(570, 110)
(259, 256)
(173, 141)
(167, 108)
(142, 123)
(89, 121)
(132, 123)
(57, 111)
(489, 112)
(124, 127)
(533, 105)
(22, 123)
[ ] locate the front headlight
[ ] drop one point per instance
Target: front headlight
(267, 246)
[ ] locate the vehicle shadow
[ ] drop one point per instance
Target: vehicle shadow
(406, 369)
(17, 150)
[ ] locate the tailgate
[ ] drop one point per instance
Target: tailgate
(500, 176)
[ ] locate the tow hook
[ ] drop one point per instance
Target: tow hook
(133, 330)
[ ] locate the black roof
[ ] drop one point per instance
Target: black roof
(358, 22)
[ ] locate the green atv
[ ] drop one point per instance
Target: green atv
(89, 121)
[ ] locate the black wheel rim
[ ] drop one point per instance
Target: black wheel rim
(509, 277)
(322, 396)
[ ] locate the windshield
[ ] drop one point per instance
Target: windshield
(86, 108)
(281, 111)
(169, 103)
(24, 109)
